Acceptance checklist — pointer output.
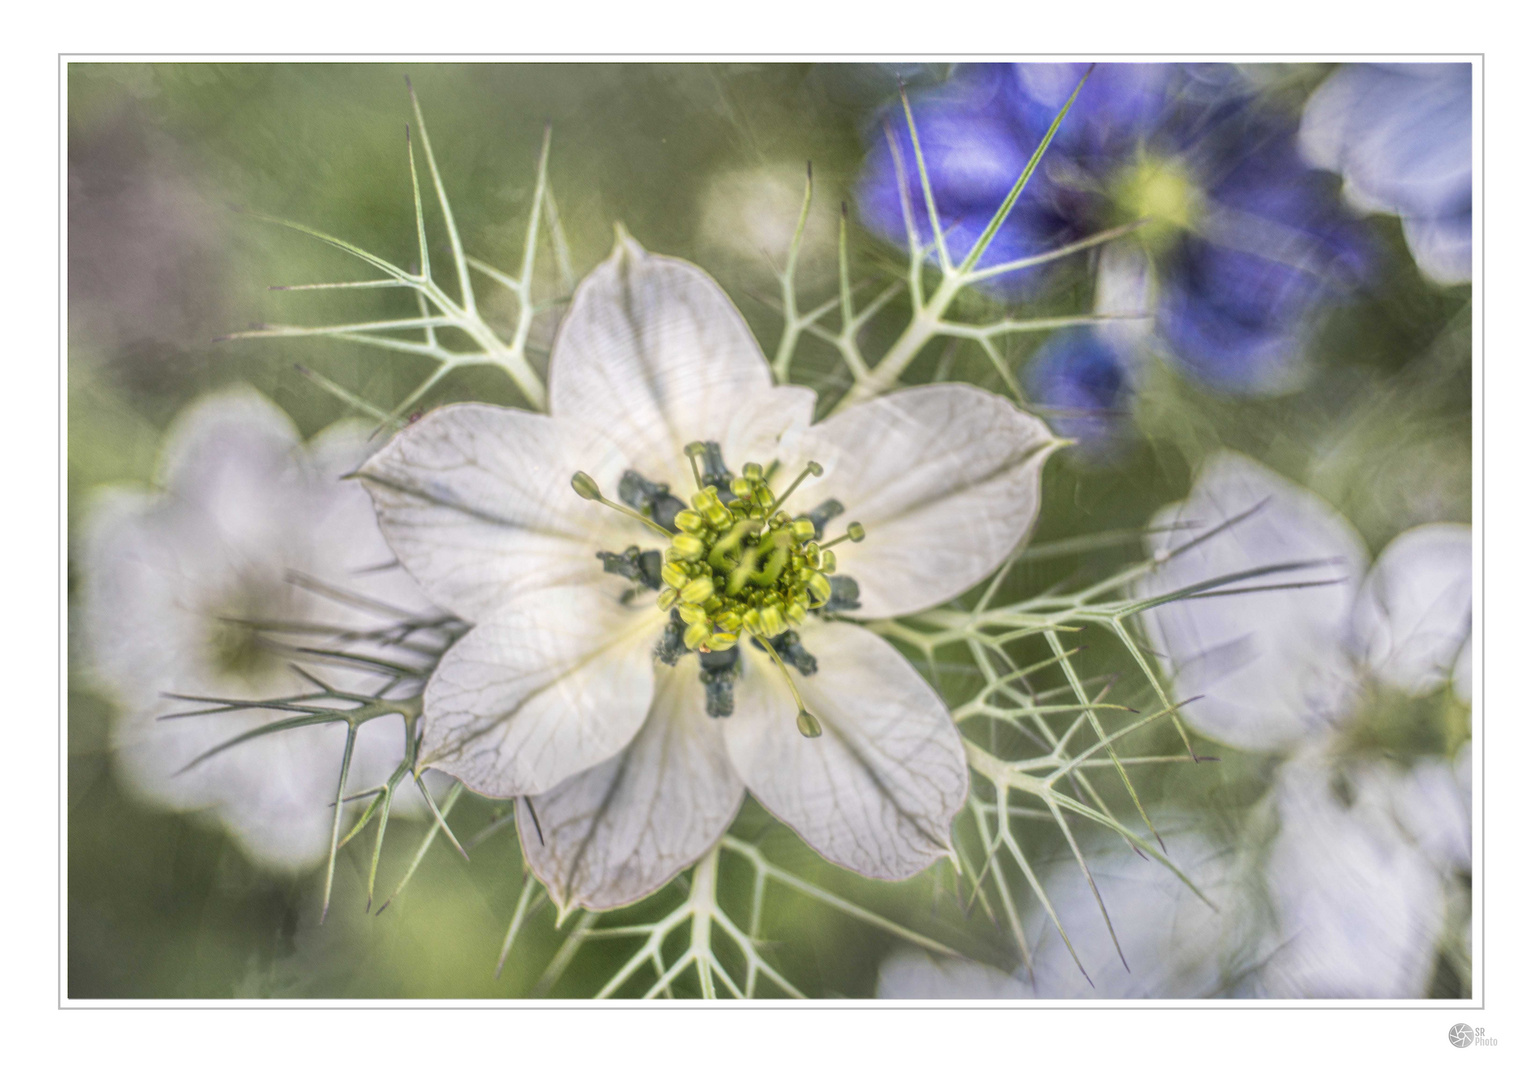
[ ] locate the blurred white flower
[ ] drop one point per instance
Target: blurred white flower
(176, 578)
(1278, 667)
(1358, 874)
(748, 218)
(1175, 945)
(1400, 136)
(1363, 849)
(577, 689)
(1411, 622)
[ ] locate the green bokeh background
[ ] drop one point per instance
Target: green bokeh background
(162, 160)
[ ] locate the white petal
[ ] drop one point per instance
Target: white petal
(223, 453)
(653, 352)
(146, 569)
(1125, 283)
(1359, 907)
(1464, 674)
(1175, 945)
(1443, 247)
(1412, 617)
(876, 792)
(1271, 666)
(946, 480)
(911, 974)
(1432, 804)
(551, 688)
(477, 502)
(611, 835)
(1400, 135)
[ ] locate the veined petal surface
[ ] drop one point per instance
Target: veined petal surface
(877, 791)
(622, 829)
(946, 480)
(654, 353)
(477, 503)
(552, 687)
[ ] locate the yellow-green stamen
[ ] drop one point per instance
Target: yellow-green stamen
(743, 565)
(588, 488)
(854, 534)
(806, 722)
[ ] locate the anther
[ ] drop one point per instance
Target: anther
(697, 591)
(771, 621)
(585, 486)
(688, 546)
(818, 586)
(588, 488)
(855, 534)
(806, 723)
(812, 469)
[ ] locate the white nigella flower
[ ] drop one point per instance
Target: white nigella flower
(1360, 875)
(647, 569)
(174, 580)
(1365, 851)
(1400, 136)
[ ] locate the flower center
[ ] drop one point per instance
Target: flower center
(1162, 191)
(737, 564)
(235, 649)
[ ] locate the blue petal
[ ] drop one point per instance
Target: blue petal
(1081, 381)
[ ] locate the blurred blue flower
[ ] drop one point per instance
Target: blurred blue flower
(1245, 243)
(1400, 135)
(1080, 383)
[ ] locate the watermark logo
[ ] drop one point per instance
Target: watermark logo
(1462, 1035)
